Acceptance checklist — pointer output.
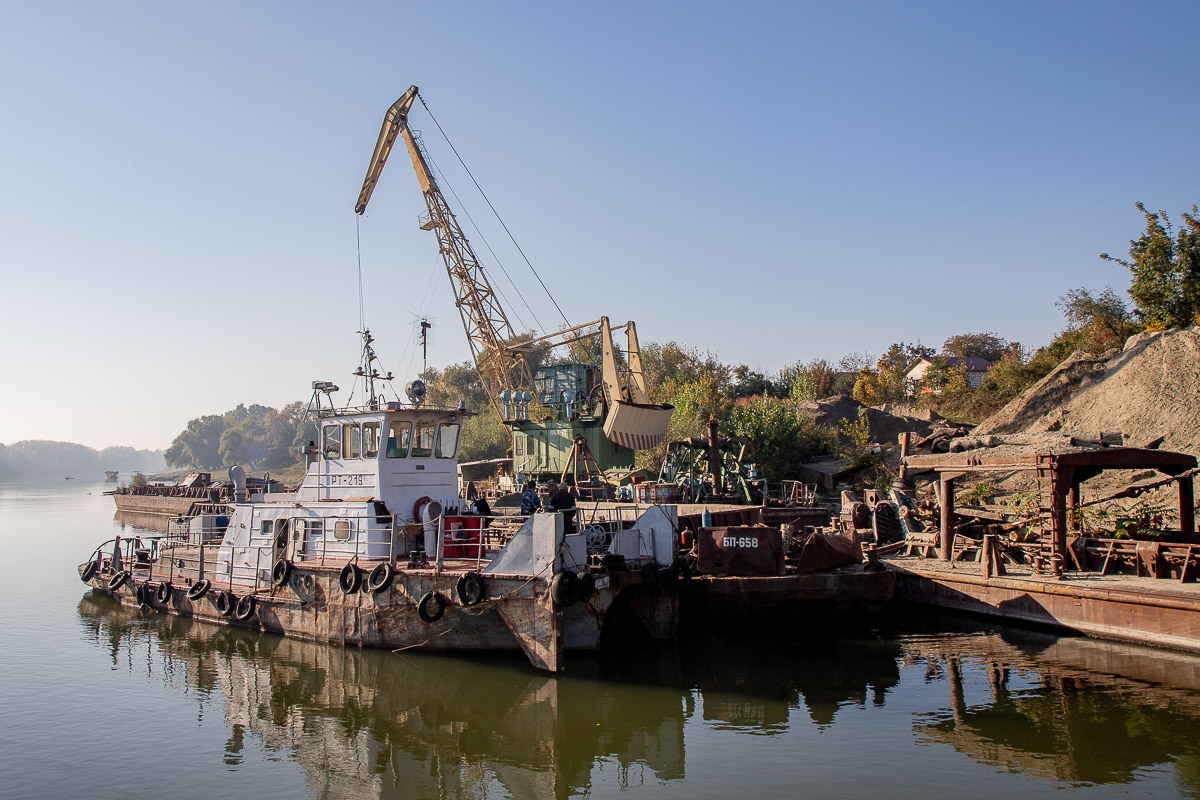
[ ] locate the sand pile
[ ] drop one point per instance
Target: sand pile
(887, 421)
(1148, 390)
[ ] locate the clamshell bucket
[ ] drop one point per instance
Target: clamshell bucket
(638, 426)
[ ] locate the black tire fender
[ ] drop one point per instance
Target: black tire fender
(246, 607)
(586, 587)
(470, 588)
(225, 603)
(350, 579)
(439, 607)
(281, 572)
(89, 571)
(118, 580)
(564, 588)
(380, 579)
(163, 594)
(141, 593)
(198, 589)
(680, 575)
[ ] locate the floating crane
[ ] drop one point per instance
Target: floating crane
(570, 402)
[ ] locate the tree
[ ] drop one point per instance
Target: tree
(1165, 265)
(809, 381)
(1099, 322)
(987, 346)
(777, 437)
(750, 383)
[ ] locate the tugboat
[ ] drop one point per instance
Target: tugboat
(375, 549)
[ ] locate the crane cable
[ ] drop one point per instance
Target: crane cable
(510, 307)
(496, 213)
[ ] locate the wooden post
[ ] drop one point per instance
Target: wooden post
(1187, 506)
(946, 550)
(905, 442)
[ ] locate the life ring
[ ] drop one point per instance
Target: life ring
(164, 592)
(470, 588)
(198, 589)
(350, 579)
(381, 578)
(281, 572)
(89, 571)
(439, 604)
(563, 588)
(420, 504)
(650, 575)
(246, 607)
(586, 587)
(225, 603)
(679, 576)
(118, 580)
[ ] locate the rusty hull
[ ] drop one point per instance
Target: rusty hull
(517, 613)
(854, 591)
(1119, 607)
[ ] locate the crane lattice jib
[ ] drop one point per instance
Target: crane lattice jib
(487, 327)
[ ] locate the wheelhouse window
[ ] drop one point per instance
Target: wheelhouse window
(331, 441)
(423, 441)
(518, 444)
(351, 440)
(370, 439)
(341, 529)
(399, 438)
(447, 442)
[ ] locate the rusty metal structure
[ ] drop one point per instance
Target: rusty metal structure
(1045, 569)
(1059, 476)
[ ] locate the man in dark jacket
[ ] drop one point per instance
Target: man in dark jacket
(561, 500)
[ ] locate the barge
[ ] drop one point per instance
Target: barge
(1047, 570)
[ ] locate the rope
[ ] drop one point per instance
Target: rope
(496, 213)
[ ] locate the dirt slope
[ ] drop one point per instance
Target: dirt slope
(1149, 389)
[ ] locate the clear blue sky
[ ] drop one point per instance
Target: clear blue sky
(772, 182)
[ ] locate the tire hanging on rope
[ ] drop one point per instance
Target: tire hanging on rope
(246, 608)
(281, 572)
(226, 603)
(350, 579)
(470, 589)
(438, 603)
(381, 578)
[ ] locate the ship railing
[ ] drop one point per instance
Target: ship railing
(199, 555)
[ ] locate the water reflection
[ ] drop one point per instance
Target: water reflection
(1070, 709)
(375, 724)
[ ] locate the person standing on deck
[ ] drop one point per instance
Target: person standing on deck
(529, 499)
(561, 500)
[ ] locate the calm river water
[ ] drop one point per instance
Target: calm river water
(98, 701)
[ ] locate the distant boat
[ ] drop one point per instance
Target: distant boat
(68, 478)
(111, 475)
